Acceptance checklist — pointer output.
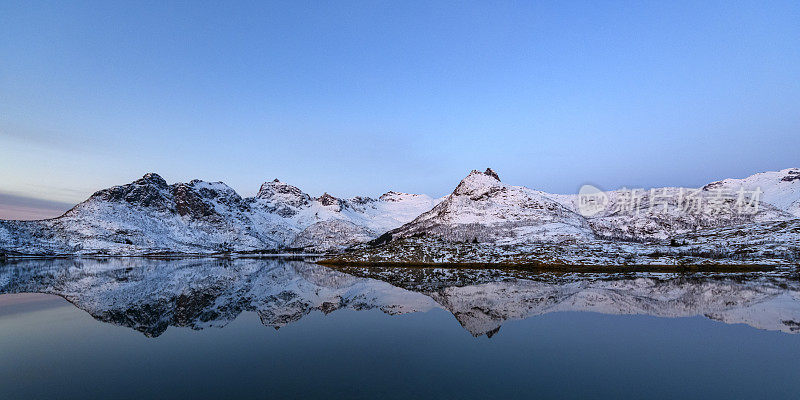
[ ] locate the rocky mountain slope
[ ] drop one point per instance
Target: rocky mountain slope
(151, 216)
(486, 221)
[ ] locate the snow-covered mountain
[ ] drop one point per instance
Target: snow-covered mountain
(486, 221)
(327, 222)
(780, 189)
(483, 209)
(149, 215)
(661, 213)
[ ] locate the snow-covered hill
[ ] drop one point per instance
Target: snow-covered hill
(780, 189)
(150, 216)
(661, 213)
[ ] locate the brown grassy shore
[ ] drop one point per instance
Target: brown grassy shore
(561, 268)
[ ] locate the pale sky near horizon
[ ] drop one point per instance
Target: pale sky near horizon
(362, 97)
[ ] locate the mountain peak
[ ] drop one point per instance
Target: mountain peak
(151, 190)
(792, 174)
(490, 172)
(478, 182)
(328, 200)
(765, 181)
(393, 196)
(277, 191)
(152, 178)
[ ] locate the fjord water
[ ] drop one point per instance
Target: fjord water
(208, 328)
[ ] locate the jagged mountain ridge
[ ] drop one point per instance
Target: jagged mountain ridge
(149, 215)
(661, 215)
(481, 208)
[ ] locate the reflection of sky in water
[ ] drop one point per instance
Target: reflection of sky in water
(49, 348)
(27, 302)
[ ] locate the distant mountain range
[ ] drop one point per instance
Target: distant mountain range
(150, 216)
(482, 207)
(755, 220)
(483, 218)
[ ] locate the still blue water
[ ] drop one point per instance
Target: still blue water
(134, 328)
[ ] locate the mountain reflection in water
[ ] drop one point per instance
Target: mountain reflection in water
(150, 295)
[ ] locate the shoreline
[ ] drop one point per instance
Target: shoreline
(12, 257)
(565, 268)
(534, 267)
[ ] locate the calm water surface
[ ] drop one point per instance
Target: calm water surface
(133, 328)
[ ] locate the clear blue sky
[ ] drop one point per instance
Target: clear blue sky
(363, 97)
